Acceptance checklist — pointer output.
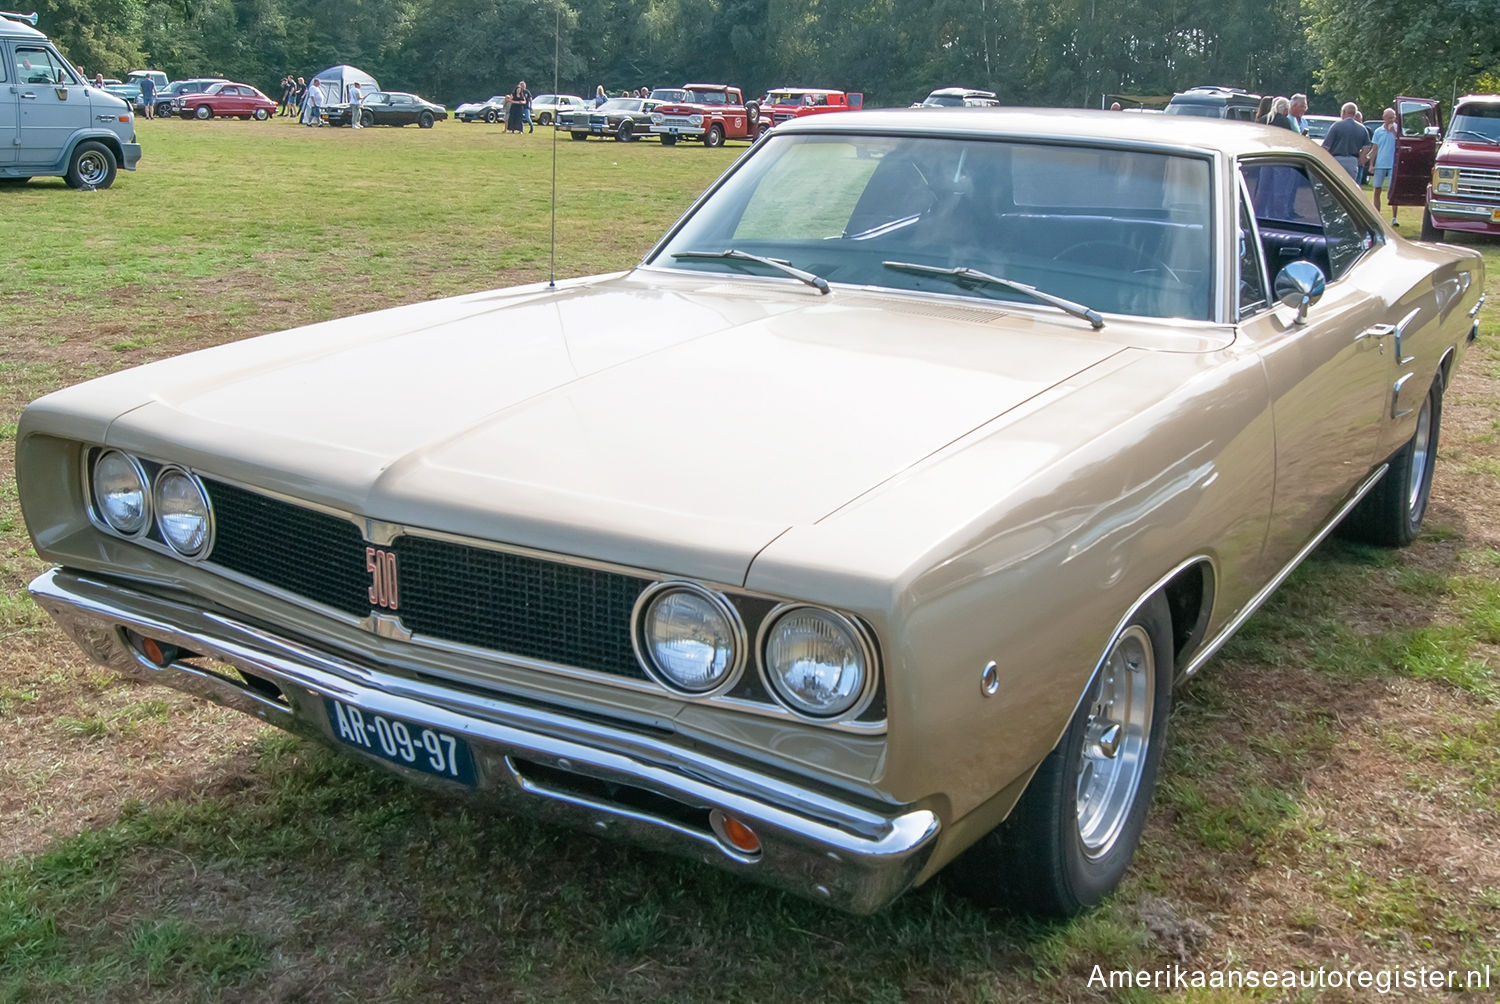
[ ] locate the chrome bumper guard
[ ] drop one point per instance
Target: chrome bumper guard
(537, 761)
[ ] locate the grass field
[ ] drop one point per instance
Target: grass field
(1331, 797)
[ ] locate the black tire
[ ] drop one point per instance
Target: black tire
(579, 136)
(93, 165)
(714, 137)
(203, 113)
(14, 181)
(261, 114)
(425, 120)
(625, 133)
(491, 117)
(1391, 514)
(366, 118)
(163, 109)
(667, 139)
(1039, 860)
(1430, 231)
(544, 119)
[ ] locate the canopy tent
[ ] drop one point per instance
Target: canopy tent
(334, 83)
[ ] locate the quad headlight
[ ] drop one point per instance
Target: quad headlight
(120, 497)
(689, 639)
(695, 120)
(816, 661)
(182, 513)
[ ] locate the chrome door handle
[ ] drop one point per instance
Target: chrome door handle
(1376, 331)
(28, 96)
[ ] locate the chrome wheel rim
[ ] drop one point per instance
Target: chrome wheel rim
(92, 168)
(1115, 741)
(1421, 456)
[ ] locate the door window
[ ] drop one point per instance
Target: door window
(36, 65)
(1252, 278)
(1300, 218)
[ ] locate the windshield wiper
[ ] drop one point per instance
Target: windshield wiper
(975, 276)
(1470, 132)
(815, 281)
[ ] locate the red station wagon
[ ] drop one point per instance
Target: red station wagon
(228, 100)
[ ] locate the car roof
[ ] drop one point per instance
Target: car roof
(1060, 124)
(962, 92)
(15, 29)
(804, 90)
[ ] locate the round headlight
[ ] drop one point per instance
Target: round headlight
(120, 492)
(815, 662)
(181, 511)
(690, 640)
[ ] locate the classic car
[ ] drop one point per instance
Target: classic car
(871, 533)
(1215, 102)
(786, 103)
(1463, 184)
(958, 97)
(712, 113)
(1318, 125)
(226, 100)
(169, 100)
(492, 110)
(624, 119)
(392, 108)
(545, 107)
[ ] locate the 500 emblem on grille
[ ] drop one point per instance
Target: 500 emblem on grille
(381, 565)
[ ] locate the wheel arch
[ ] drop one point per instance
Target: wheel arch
(103, 136)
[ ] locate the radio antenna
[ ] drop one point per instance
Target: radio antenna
(556, 48)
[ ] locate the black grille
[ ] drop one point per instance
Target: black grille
(303, 551)
(519, 605)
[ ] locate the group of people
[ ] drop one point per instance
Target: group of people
(292, 90)
(601, 95)
(1347, 140)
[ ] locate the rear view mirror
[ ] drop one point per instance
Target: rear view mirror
(1299, 286)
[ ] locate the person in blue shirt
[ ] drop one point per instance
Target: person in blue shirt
(1385, 157)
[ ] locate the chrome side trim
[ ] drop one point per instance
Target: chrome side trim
(1212, 647)
(1398, 412)
(1478, 304)
(840, 846)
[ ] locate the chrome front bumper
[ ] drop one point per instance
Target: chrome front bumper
(539, 761)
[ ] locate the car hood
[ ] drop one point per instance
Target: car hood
(679, 424)
(1463, 153)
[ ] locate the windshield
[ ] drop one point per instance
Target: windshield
(1204, 111)
(1123, 231)
(1476, 122)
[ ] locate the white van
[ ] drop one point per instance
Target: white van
(53, 123)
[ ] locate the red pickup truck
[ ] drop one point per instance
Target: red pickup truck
(786, 103)
(1463, 179)
(711, 113)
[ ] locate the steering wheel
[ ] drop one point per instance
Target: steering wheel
(1114, 254)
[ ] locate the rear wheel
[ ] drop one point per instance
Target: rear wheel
(1391, 515)
(714, 137)
(1070, 838)
(93, 166)
(204, 112)
(425, 121)
(544, 119)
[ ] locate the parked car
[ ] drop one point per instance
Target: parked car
(53, 123)
(225, 100)
(786, 103)
(1463, 193)
(392, 108)
(169, 100)
(1216, 102)
(1014, 418)
(492, 110)
(624, 119)
(959, 97)
(1318, 125)
(545, 107)
(711, 113)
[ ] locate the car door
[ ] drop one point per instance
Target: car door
(10, 108)
(1419, 130)
(1330, 375)
(52, 103)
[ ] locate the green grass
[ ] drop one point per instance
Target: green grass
(1328, 798)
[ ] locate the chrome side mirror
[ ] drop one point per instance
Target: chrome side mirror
(1299, 286)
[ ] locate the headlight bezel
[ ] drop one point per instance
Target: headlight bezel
(96, 507)
(863, 641)
(206, 544)
(739, 639)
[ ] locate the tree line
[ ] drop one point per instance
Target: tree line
(1031, 52)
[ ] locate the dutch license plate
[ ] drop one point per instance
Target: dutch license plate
(408, 744)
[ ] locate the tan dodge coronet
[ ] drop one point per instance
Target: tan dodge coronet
(863, 528)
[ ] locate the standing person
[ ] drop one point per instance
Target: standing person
(148, 97)
(355, 97)
(287, 83)
(99, 81)
(599, 96)
(1385, 157)
(1280, 114)
(515, 113)
(524, 95)
(312, 104)
(1263, 110)
(1298, 110)
(1346, 138)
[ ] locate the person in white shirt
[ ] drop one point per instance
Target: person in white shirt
(355, 97)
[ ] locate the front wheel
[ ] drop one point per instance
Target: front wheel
(1430, 230)
(366, 119)
(667, 139)
(261, 114)
(425, 121)
(579, 136)
(203, 112)
(625, 133)
(1070, 838)
(544, 119)
(714, 137)
(93, 166)
(1391, 514)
